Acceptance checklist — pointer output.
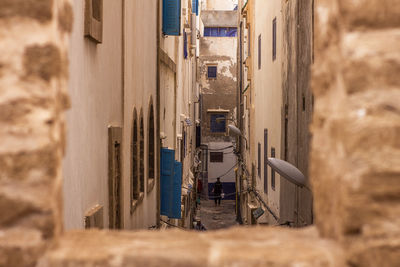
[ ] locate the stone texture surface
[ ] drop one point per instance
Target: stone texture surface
(259, 246)
(356, 149)
(20, 247)
(32, 100)
(40, 10)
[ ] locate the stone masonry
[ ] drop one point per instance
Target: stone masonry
(33, 78)
(355, 161)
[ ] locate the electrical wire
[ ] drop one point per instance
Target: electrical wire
(218, 149)
(263, 203)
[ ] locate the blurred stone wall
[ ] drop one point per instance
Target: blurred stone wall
(33, 79)
(355, 164)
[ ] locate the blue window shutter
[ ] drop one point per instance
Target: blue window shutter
(171, 17)
(195, 7)
(176, 191)
(185, 45)
(207, 31)
(166, 180)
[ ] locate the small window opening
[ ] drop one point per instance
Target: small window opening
(274, 39)
(212, 72)
(216, 156)
(151, 148)
(134, 162)
(218, 123)
(141, 151)
(259, 52)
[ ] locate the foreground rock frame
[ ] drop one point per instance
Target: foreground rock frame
(355, 159)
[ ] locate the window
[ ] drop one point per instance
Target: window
(272, 171)
(171, 14)
(220, 32)
(259, 161)
(216, 156)
(259, 52)
(151, 149)
(182, 143)
(218, 123)
(114, 184)
(141, 151)
(94, 20)
(195, 7)
(134, 162)
(185, 45)
(212, 72)
(266, 161)
(274, 39)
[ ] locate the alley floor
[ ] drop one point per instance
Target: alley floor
(218, 217)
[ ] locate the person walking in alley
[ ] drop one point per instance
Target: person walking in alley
(217, 190)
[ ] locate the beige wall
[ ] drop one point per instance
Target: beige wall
(95, 88)
(140, 88)
(104, 93)
(263, 107)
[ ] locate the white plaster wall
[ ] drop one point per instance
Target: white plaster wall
(267, 85)
(140, 88)
(219, 4)
(217, 169)
(95, 91)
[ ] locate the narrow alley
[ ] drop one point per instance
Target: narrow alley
(199, 133)
(221, 217)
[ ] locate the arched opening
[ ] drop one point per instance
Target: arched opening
(134, 163)
(151, 149)
(141, 151)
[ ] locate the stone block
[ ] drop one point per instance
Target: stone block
(326, 47)
(379, 250)
(43, 61)
(40, 10)
(370, 13)
(27, 205)
(369, 62)
(20, 247)
(259, 246)
(65, 18)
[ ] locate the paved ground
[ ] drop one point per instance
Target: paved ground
(219, 217)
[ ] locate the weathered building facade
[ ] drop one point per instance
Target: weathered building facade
(218, 81)
(127, 84)
(110, 166)
(178, 87)
(268, 44)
